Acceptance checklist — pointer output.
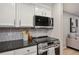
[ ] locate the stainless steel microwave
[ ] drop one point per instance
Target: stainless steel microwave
(43, 22)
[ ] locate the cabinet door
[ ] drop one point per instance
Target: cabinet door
(69, 42)
(7, 53)
(26, 51)
(38, 10)
(32, 53)
(75, 43)
(42, 11)
(7, 14)
(25, 13)
(48, 12)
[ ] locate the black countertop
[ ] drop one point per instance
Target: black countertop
(9, 47)
(22, 44)
(30, 44)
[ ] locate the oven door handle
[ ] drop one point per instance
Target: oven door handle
(42, 50)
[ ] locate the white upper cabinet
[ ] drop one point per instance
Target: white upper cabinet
(7, 14)
(25, 13)
(38, 10)
(21, 14)
(48, 12)
(42, 10)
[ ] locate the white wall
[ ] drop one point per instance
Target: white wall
(71, 8)
(57, 32)
(67, 25)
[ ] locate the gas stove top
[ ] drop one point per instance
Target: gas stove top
(43, 39)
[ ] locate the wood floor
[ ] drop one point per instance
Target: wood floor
(68, 51)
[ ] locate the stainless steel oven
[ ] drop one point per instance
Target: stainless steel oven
(42, 50)
(47, 45)
(45, 49)
(43, 22)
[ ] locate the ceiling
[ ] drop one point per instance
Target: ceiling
(72, 8)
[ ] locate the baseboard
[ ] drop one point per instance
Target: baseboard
(72, 48)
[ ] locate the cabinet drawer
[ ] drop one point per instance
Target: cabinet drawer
(7, 53)
(34, 53)
(26, 50)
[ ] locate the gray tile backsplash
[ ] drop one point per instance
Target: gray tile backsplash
(10, 36)
(38, 32)
(7, 34)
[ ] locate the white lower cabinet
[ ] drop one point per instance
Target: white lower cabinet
(73, 42)
(26, 51)
(7, 53)
(34, 53)
(32, 50)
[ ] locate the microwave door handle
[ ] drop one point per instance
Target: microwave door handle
(50, 21)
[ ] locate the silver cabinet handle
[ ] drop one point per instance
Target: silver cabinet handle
(45, 13)
(14, 22)
(42, 13)
(20, 22)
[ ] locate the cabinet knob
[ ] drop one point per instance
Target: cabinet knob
(28, 50)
